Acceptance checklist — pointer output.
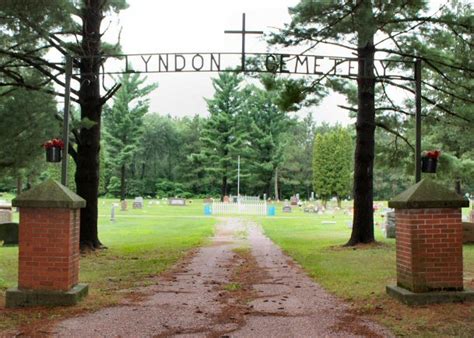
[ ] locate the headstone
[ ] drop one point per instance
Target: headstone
(207, 200)
(467, 232)
(138, 203)
(390, 224)
(312, 196)
(9, 233)
(177, 201)
(226, 199)
(264, 197)
(294, 200)
(286, 208)
(123, 205)
(112, 212)
(5, 212)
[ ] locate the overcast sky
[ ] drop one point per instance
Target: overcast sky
(152, 26)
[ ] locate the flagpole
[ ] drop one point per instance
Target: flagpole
(238, 177)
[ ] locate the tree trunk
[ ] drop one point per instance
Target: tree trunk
(123, 187)
(363, 221)
(276, 184)
(457, 186)
(87, 173)
(142, 175)
(339, 202)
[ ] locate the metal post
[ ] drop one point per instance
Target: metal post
(67, 94)
(238, 178)
(418, 120)
(243, 42)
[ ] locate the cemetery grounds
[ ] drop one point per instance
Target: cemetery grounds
(143, 243)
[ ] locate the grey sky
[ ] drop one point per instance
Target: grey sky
(198, 26)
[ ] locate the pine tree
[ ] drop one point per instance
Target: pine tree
(332, 164)
(124, 124)
(31, 29)
(267, 124)
(221, 136)
(366, 27)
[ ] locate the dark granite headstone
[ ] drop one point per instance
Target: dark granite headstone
(286, 208)
(9, 233)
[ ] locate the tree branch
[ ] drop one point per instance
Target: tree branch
(430, 101)
(394, 132)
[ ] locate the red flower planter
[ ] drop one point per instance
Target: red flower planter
(428, 165)
(53, 154)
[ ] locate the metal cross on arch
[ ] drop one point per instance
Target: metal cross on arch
(243, 32)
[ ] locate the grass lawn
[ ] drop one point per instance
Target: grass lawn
(359, 275)
(141, 244)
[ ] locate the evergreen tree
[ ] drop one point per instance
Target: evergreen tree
(31, 29)
(366, 27)
(123, 124)
(221, 136)
(296, 170)
(267, 124)
(332, 164)
(192, 167)
(27, 121)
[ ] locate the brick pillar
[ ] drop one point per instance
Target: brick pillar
(429, 249)
(49, 249)
(429, 239)
(48, 265)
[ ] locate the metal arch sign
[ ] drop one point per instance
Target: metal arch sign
(300, 64)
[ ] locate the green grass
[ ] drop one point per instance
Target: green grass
(142, 243)
(360, 274)
(232, 287)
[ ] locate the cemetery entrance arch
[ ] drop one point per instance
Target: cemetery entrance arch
(277, 63)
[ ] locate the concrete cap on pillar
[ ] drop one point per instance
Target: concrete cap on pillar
(49, 194)
(427, 194)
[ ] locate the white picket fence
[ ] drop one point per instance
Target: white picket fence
(253, 207)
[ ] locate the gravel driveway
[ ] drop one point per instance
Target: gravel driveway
(240, 285)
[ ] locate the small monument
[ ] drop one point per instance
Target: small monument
(9, 233)
(123, 205)
(5, 212)
(294, 200)
(390, 224)
(226, 199)
(112, 212)
(174, 201)
(138, 203)
(286, 208)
